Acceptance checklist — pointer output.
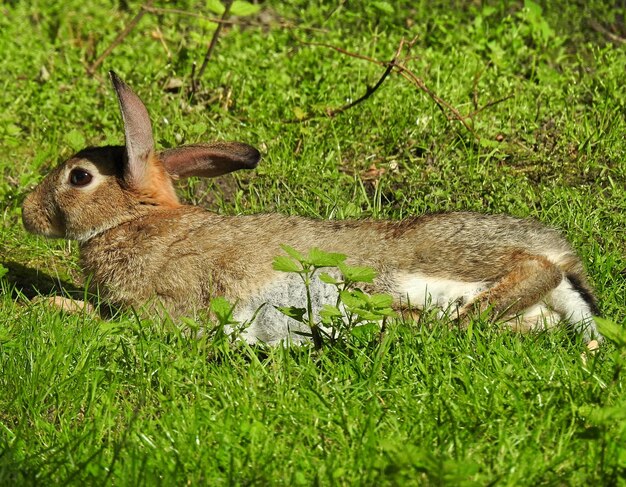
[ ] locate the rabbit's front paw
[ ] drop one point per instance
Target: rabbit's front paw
(64, 304)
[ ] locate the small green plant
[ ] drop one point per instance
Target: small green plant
(226, 327)
(354, 313)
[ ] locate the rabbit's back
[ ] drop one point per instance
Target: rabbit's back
(474, 246)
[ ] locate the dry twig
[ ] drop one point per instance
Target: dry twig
(212, 44)
(441, 103)
(120, 37)
(490, 104)
(157, 34)
(475, 89)
(342, 51)
(369, 91)
(331, 112)
(603, 30)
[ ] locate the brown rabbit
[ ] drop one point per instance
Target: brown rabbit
(141, 246)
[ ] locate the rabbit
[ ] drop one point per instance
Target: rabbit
(142, 247)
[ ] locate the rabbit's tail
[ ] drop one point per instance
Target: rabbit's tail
(574, 301)
(583, 289)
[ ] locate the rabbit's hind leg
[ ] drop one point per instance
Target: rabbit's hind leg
(530, 279)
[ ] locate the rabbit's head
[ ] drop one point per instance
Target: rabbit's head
(102, 187)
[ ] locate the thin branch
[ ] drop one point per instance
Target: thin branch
(161, 38)
(369, 90)
(342, 51)
(120, 37)
(213, 42)
(176, 11)
(490, 104)
(475, 89)
(441, 103)
(603, 30)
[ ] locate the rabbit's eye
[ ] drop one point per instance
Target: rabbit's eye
(80, 177)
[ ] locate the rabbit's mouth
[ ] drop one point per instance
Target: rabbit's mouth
(41, 219)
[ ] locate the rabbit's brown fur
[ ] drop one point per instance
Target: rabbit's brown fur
(141, 245)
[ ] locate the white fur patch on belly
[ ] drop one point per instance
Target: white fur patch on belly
(272, 326)
(268, 325)
(423, 291)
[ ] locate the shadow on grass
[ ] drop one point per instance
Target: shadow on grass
(33, 282)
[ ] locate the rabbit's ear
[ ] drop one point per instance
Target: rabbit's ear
(138, 132)
(209, 160)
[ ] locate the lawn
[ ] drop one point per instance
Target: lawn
(504, 107)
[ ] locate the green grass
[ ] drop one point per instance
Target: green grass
(126, 401)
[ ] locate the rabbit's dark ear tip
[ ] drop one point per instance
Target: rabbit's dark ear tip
(254, 158)
(116, 80)
(249, 157)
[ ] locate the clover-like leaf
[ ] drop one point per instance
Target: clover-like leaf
(353, 299)
(320, 258)
(357, 273)
(381, 300)
(223, 309)
(292, 312)
(365, 331)
(328, 279)
(215, 6)
(385, 7)
(293, 253)
(366, 314)
(329, 311)
(285, 264)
